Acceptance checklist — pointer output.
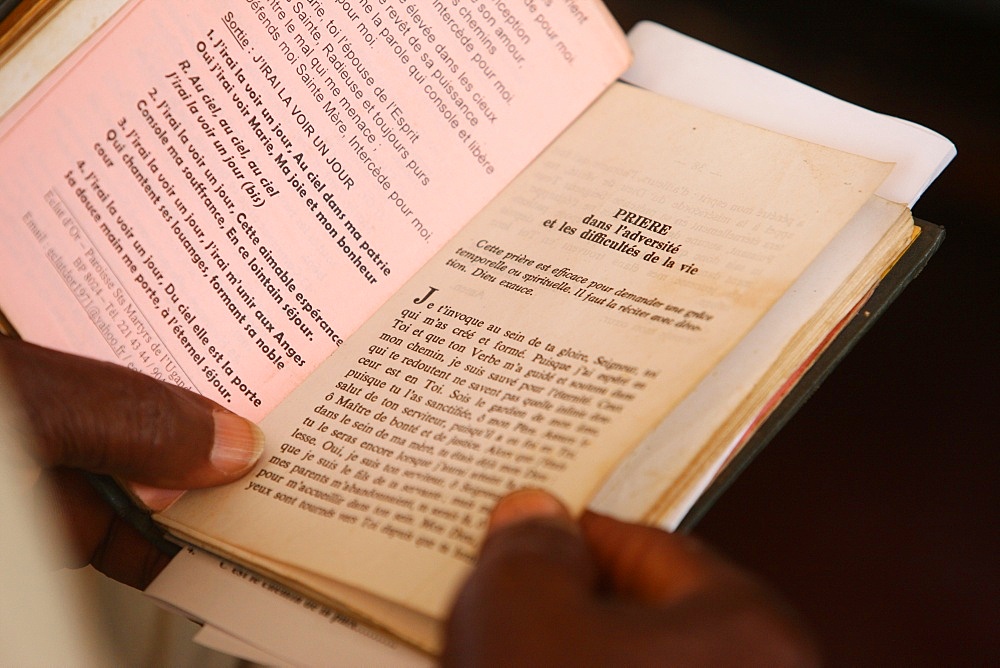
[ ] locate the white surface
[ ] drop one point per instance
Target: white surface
(683, 68)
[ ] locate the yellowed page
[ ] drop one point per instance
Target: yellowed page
(537, 348)
(217, 194)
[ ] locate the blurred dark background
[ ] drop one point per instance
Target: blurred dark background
(875, 509)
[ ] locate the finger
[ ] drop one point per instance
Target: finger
(695, 602)
(648, 564)
(532, 539)
(533, 569)
(104, 418)
(525, 505)
(155, 499)
(97, 535)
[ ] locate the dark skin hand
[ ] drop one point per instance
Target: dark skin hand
(100, 417)
(548, 591)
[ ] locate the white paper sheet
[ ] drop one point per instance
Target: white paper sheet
(683, 68)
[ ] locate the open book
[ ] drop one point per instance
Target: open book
(441, 255)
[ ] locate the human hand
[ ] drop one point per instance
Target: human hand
(548, 591)
(102, 418)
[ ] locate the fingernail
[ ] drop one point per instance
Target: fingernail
(524, 505)
(155, 498)
(238, 443)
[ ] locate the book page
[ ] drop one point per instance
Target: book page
(218, 195)
(537, 348)
(292, 627)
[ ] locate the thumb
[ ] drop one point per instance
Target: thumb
(104, 418)
(533, 569)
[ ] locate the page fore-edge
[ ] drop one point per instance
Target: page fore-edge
(906, 268)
